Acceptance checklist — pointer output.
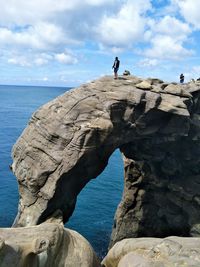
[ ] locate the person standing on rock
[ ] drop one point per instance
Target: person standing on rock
(182, 78)
(116, 67)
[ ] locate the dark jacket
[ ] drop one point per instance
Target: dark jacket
(116, 64)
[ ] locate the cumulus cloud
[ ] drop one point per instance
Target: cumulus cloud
(189, 9)
(19, 60)
(125, 27)
(40, 36)
(170, 26)
(58, 32)
(167, 36)
(66, 58)
(166, 47)
(28, 12)
(41, 59)
(148, 62)
(48, 26)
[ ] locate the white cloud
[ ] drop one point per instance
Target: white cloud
(23, 12)
(170, 26)
(125, 27)
(40, 60)
(97, 2)
(40, 36)
(45, 79)
(19, 60)
(29, 60)
(66, 58)
(167, 47)
(48, 26)
(43, 33)
(147, 62)
(189, 9)
(167, 36)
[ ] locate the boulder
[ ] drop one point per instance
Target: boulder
(144, 85)
(154, 252)
(46, 245)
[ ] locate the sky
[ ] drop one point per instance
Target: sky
(70, 42)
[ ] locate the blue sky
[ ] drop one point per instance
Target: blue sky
(69, 42)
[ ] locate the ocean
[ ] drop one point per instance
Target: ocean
(97, 202)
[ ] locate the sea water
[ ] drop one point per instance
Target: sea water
(97, 202)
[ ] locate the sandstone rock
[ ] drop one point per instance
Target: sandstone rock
(155, 81)
(69, 140)
(177, 90)
(144, 85)
(154, 252)
(46, 245)
(133, 260)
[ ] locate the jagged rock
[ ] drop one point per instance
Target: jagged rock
(69, 140)
(154, 252)
(46, 245)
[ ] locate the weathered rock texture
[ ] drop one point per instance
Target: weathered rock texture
(46, 245)
(69, 141)
(154, 252)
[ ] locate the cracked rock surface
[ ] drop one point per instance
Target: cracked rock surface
(69, 140)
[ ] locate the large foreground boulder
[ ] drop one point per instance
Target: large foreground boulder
(154, 252)
(46, 245)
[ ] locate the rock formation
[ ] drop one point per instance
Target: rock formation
(46, 245)
(69, 140)
(154, 252)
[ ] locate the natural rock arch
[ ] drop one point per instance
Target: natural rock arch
(69, 140)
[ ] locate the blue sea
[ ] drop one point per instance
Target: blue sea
(97, 202)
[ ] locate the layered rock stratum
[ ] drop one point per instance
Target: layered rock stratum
(68, 142)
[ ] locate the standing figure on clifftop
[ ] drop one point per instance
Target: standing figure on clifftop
(182, 78)
(116, 67)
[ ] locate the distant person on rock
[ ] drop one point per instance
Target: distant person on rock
(182, 78)
(116, 67)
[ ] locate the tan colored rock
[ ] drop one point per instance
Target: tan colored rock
(69, 140)
(133, 260)
(154, 252)
(144, 85)
(177, 90)
(46, 245)
(175, 104)
(155, 81)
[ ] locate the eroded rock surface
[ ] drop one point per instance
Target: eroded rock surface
(46, 245)
(154, 252)
(69, 140)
